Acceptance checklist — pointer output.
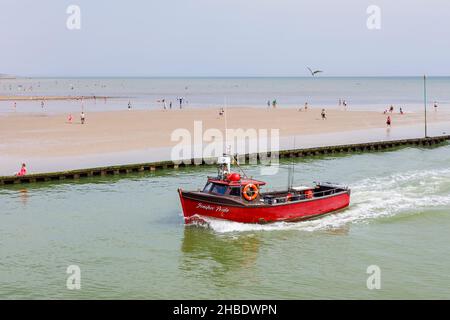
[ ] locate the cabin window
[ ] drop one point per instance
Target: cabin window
(219, 189)
(235, 191)
(207, 187)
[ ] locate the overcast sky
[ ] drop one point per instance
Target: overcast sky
(224, 38)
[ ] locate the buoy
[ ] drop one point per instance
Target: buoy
(234, 177)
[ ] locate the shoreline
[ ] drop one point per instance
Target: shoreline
(50, 98)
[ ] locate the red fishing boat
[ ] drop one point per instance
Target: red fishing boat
(232, 197)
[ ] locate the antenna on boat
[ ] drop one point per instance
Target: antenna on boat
(291, 170)
(227, 147)
(289, 178)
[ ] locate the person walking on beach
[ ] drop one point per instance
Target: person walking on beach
(401, 110)
(83, 117)
(344, 103)
(69, 118)
(129, 105)
(268, 104)
(323, 114)
(180, 99)
(388, 121)
(306, 106)
(274, 104)
(170, 105)
(42, 104)
(391, 108)
(23, 171)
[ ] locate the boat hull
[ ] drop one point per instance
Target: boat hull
(194, 209)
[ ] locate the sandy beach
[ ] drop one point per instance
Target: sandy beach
(35, 135)
(47, 142)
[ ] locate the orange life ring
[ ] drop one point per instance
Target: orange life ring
(253, 192)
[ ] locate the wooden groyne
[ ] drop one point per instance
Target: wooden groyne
(153, 166)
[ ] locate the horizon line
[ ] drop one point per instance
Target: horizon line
(10, 76)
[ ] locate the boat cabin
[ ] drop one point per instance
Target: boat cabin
(229, 187)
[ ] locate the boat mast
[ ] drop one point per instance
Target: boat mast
(293, 167)
(227, 147)
(291, 171)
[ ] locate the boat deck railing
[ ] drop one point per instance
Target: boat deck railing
(301, 196)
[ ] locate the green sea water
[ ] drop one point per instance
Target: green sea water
(128, 238)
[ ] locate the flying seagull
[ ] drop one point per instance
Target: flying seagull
(313, 73)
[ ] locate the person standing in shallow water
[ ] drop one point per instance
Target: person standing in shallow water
(82, 117)
(129, 105)
(323, 114)
(388, 121)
